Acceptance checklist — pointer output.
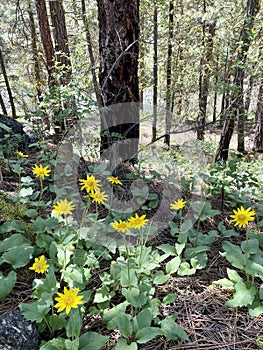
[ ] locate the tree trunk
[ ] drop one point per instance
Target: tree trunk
(169, 75)
(8, 88)
(36, 63)
(90, 49)
(46, 39)
(155, 70)
(204, 75)
(236, 109)
(61, 39)
(258, 141)
(2, 104)
(119, 50)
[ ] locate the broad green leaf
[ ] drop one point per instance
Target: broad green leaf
(128, 278)
(224, 282)
(172, 330)
(170, 298)
(110, 317)
(185, 269)
(124, 324)
(253, 246)
(25, 192)
(122, 345)
(256, 309)
(56, 322)
(74, 323)
(14, 225)
(243, 295)
(7, 283)
(134, 296)
(19, 256)
(160, 278)
(167, 249)
(92, 341)
(34, 311)
(143, 319)
(147, 334)
(54, 344)
(234, 255)
(14, 241)
(173, 265)
(102, 295)
(233, 275)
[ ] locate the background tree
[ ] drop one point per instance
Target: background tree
(119, 51)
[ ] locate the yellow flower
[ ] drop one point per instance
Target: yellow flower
(99, 197)
(40, 265)
(21, 154)
(121, 226)
(114, 180)
(90, 184)
(63, 207)
(137, 221)
(177, 205)
(241, 217)
(41, 172)
(68, 300)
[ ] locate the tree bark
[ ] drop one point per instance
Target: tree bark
(46, 39)
(169, 75)
(204, 75)
(119, 50)
(155, 70)
(258, 141)
(90, 49)
(8, 88)
(2, 104)
(36, 63)
(236, 108)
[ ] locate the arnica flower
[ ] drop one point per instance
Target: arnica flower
(91, 185)
(69, 299)
(137, 221)
(241, 217)
(178, 205)
(98, 197)
(63, 207)
(114, 180)
(40, 265)
(21, 154)
(121, 226)
(41, 172)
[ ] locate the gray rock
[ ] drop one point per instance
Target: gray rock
(16, 333)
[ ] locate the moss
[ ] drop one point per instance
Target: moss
(11, 211)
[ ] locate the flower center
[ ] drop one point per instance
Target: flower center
(40, 266)
(242, 217)
(69, 300)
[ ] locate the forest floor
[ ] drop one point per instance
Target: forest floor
(200, 306)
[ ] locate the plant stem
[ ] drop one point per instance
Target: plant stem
(247, 275)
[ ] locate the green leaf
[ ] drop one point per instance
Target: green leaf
(143, 319)
(14, 241)
(147, 334)
(54, 344)
(185, 269)
(14, 225)
(233, 275)
(110, 317)
(160, 278)
(74, 324)
(172, 330)
(244, 295)
(92, 341)
(102, 295)
(234, 255)
(7, 283)
(170, 298)
(124, 324)
(224, 282)
(173, 265)
(34, 311)
(25, 192)
(256, 309)
(122, 345)
(167, 249)
(5, 127)
(19, 256)
(128, 278)
(56, 322)
(134, 296)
